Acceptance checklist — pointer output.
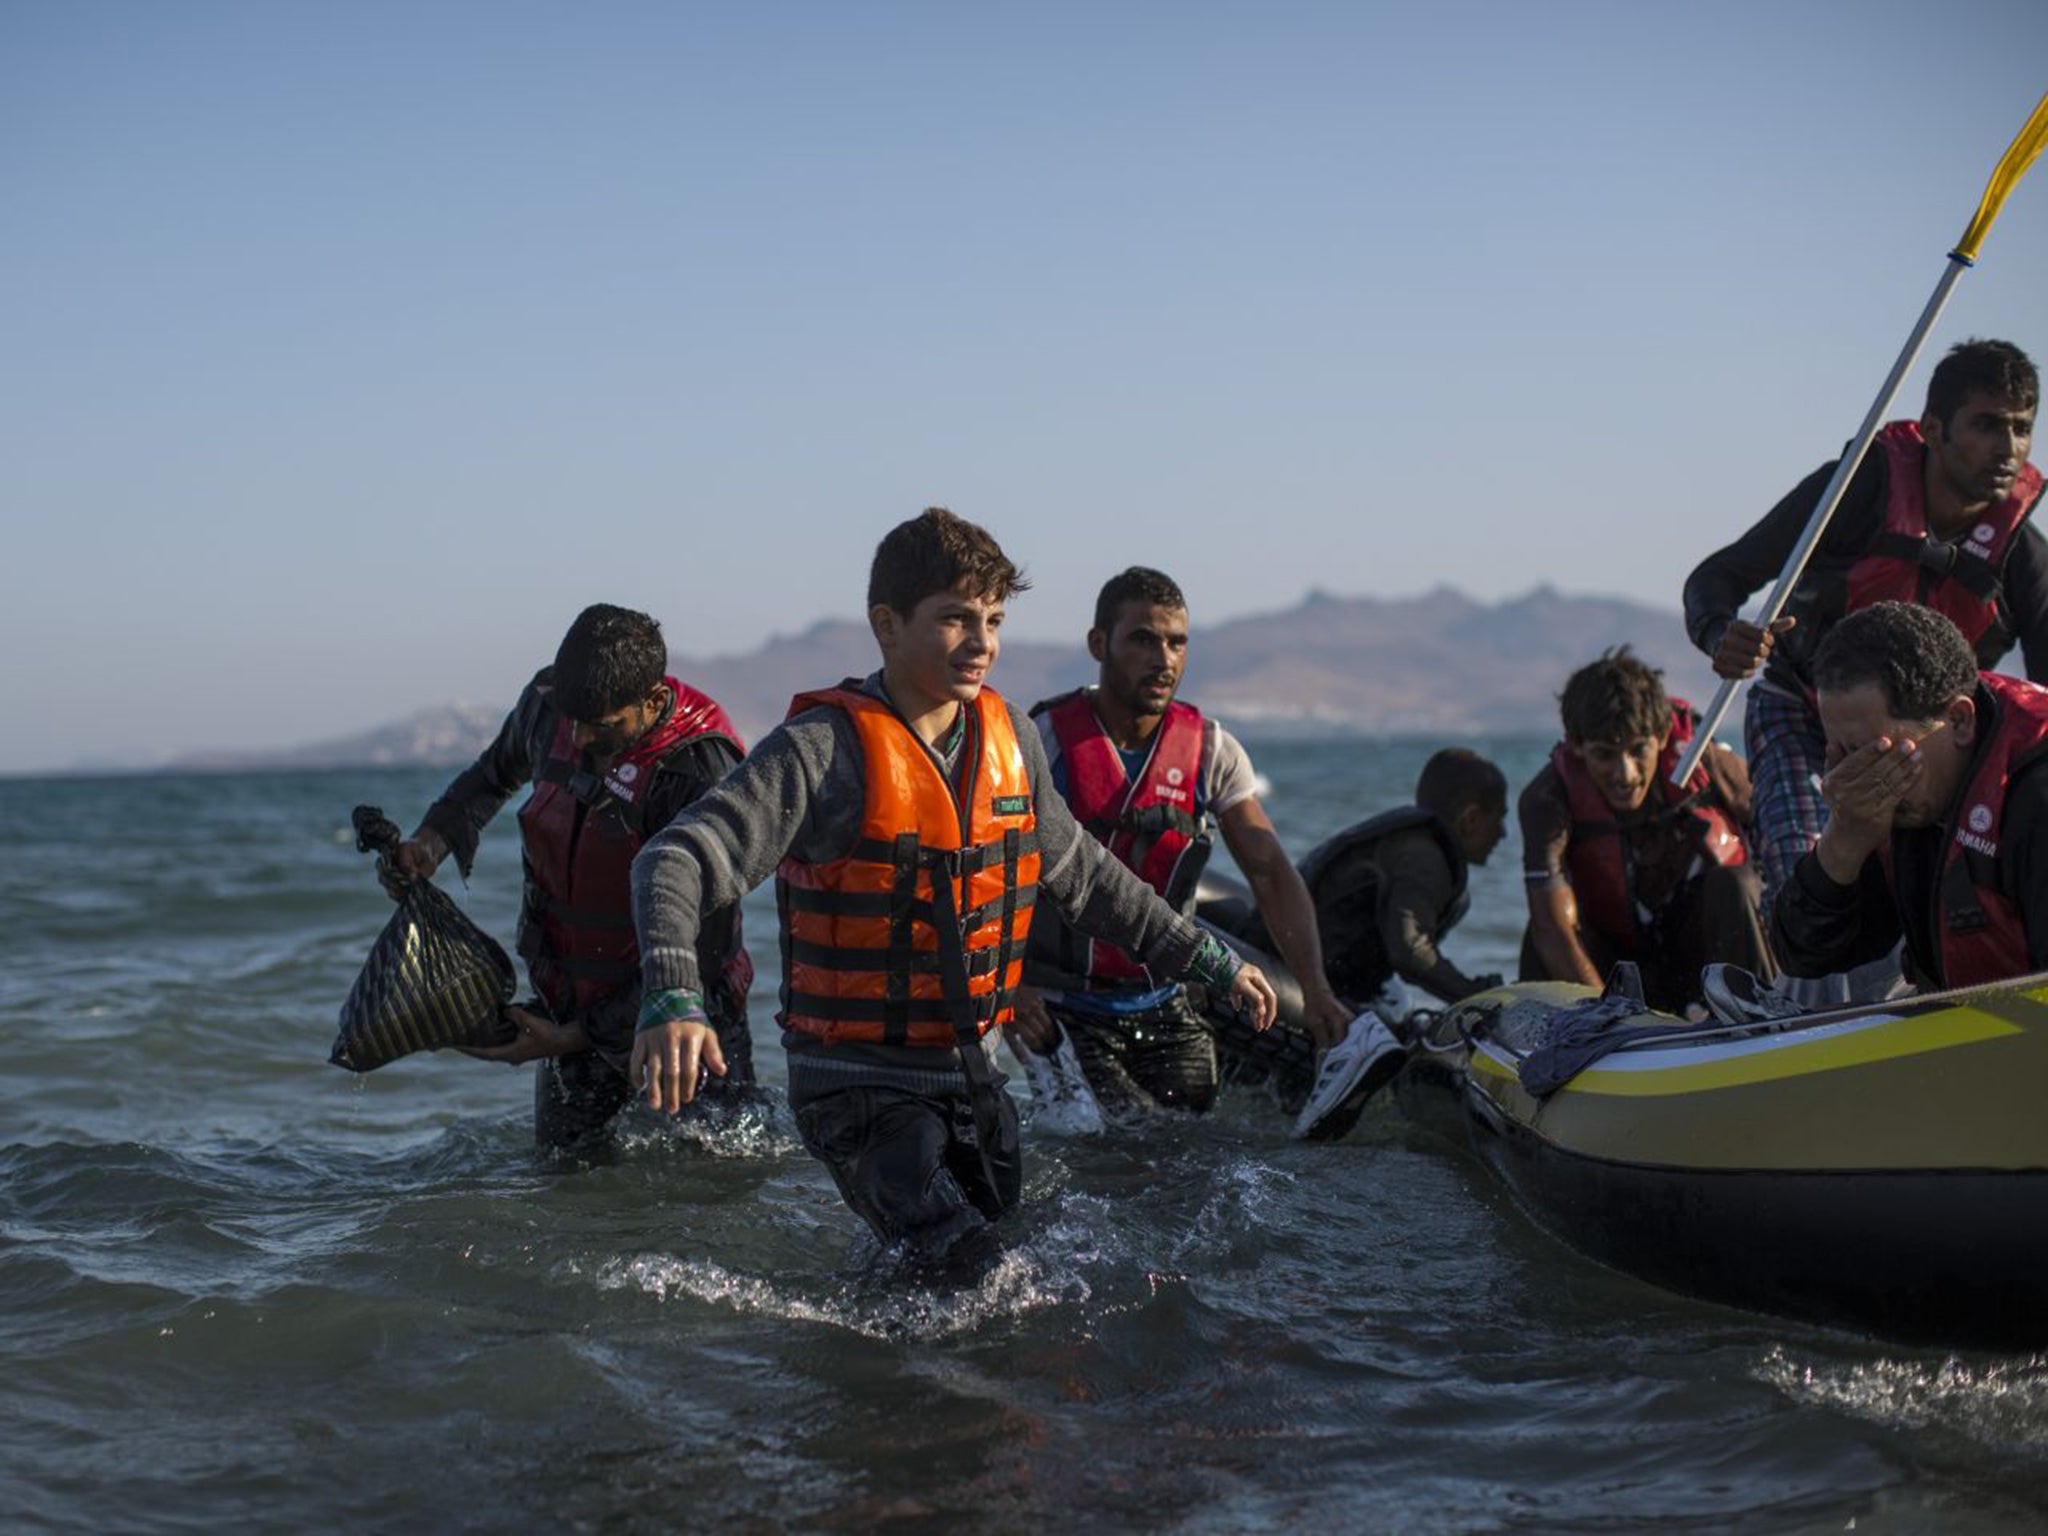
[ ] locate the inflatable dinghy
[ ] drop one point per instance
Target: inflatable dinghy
(1882, 1169)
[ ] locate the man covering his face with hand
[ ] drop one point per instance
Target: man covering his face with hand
(1936, 805)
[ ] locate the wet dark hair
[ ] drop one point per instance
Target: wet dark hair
(1998, 368)
(1457, 777)
(1620, 697)
(1917, 656)
(611, 657)
(1139, 584)
(938, 552)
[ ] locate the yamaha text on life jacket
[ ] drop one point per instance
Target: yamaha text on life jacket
(1979, 933)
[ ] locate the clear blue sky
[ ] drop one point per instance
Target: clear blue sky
(351, 348)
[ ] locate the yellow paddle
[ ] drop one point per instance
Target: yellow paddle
(2023, 152)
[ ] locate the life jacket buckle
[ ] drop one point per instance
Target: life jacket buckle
(958, 863)
(1938, 557)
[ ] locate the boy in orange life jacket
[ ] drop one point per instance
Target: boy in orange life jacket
(1154, 780)
(1937, 810)
(613, 747)
(910, 823)
(1620, 863)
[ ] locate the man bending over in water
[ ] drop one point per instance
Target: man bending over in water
(614, 747)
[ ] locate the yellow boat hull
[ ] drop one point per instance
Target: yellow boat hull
(1882, 1169)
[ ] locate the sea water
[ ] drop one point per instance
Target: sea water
(241, 1290)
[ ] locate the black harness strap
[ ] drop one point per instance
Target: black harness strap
(973, 858)
(1961, 909)
(874, 1010)
(1013, 842)
(902, 959)
(829, 957)
(983, 1087)
(1149, 822)
(796, 898)
(799, 898)
(1013, 901)
(1943, 562)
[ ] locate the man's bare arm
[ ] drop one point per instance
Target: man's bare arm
(1554, 928)
(1289, 911)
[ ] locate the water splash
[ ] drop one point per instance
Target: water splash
(1240, 1192)
(1999, 1403)
(1058, 1253)
(877, 1305)
(755, 1131)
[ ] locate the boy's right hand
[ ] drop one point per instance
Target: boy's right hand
(1253, 995)
(669, 1058)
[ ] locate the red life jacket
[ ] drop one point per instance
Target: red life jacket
(580, 830)
(916, 936)
(1158, 826)
(1906, 564)
(1603, 874)
(1979, 931)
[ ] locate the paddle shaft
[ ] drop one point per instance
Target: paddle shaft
(1824, 510)
(2012, 165)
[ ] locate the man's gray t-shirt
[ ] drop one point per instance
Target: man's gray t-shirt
(1227, 776)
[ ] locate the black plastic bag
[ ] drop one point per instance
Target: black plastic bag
(433, 978)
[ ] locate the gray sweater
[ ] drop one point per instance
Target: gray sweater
(801, 793)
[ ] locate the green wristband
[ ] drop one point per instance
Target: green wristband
(676, 1004)
(1215, 964)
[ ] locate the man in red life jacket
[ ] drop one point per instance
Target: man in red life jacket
(1937, 514)
(1937, 810)
(1153, 779)
(614, 747)
(915, 840)
(1620, 863)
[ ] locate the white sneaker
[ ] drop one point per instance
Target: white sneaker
(1735, 996)
(1061, 1100)
(1393, 1002)
(1350, 1073)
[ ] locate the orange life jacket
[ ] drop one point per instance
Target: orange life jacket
(916, 936)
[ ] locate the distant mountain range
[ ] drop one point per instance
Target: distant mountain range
(1439, 664)
(440, 734)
